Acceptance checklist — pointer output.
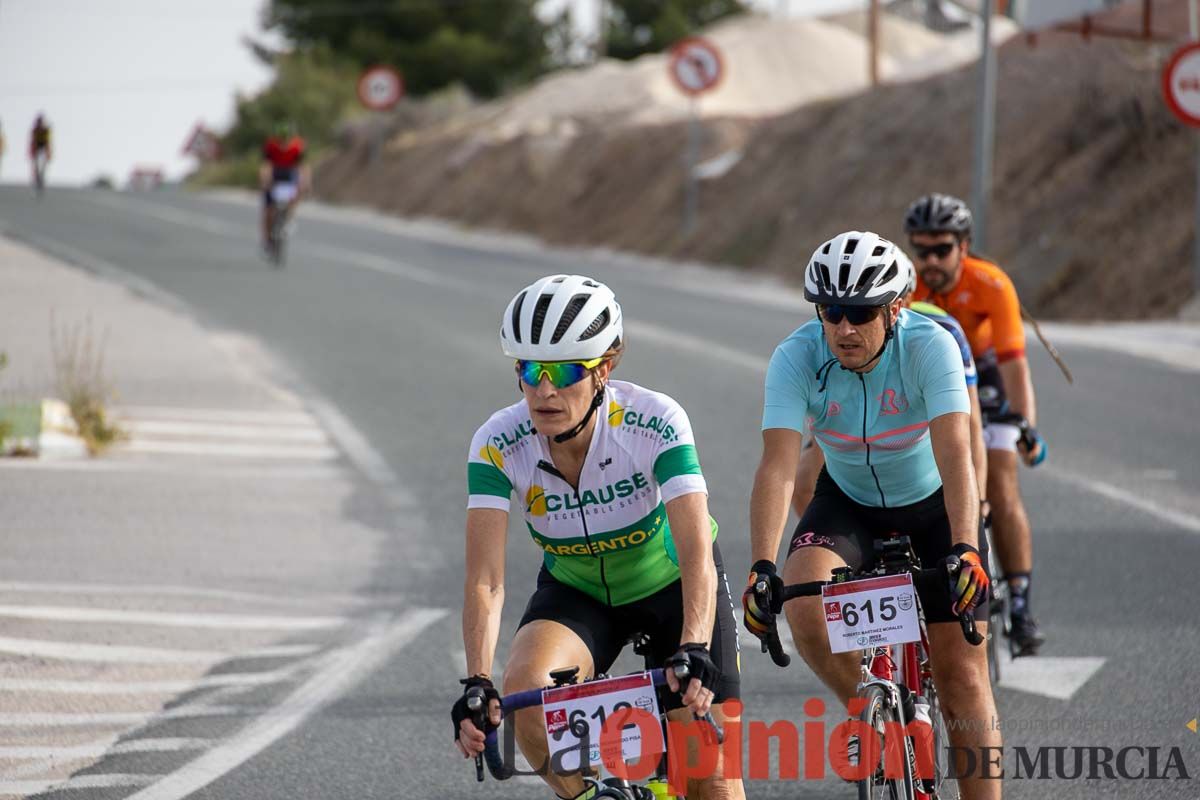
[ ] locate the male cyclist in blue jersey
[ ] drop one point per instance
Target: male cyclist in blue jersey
(884, 394)
(812, 459)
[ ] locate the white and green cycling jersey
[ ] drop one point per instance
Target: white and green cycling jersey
(610, 539)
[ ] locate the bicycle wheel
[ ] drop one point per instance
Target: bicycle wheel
(278, 239)
(877, 713)
(944, 782)
(997, 610)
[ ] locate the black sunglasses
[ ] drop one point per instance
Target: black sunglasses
(857, 315)
(940, 250)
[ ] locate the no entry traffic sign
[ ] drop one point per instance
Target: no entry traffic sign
(1181, 83)
(380, 88)
(696, 65)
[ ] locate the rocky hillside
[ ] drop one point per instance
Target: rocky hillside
(1092, 211)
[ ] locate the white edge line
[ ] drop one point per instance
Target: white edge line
(146, 687)
(104, 747)
(78, 782)
(1176, 518)
(168, 619)
(341, 671)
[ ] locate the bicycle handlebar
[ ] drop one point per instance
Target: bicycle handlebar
(813, 589)
(491, 755)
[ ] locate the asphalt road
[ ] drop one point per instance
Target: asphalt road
(396, 327)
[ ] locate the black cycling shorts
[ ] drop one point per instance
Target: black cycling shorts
(607, 629)
(835, 522)
(992, 399)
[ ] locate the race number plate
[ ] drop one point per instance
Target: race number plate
(576, 713)
(871, 612)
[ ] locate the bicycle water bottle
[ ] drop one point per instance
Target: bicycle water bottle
(660, 789)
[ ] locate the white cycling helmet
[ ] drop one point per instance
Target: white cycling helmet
(856, 268)
(910, 272)
(561, 318)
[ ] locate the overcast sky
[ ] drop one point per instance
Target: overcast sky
(122, 82)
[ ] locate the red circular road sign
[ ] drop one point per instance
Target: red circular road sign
(380, 88)
(696, 66)
(1181, 83)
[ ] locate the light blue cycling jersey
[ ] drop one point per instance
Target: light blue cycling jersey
(873, 427)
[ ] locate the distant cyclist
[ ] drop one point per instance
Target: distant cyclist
(608, 483)
(40, 150)
(884, 393)
(811, 457)
(283, 176)
(981, 297)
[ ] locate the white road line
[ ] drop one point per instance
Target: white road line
(103, 747)
(78, 782)
(118, 654)
(168, 619)
(388, 266)
(268, 418)
(146, 687)
(55, 719)
(1179, 519)
(341, 671)
(27, 587)
(698, 345)
(139, 429)
(192, 448)
(354, 444)
(167, 214)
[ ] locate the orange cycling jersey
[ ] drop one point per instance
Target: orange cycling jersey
(985, 304)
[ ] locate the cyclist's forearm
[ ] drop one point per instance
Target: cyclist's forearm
(482, 605)
(691, 529)
(951, 440)
(1018, 385)
(978, 449)
(769, 510)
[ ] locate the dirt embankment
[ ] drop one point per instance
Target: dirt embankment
(1094, 179)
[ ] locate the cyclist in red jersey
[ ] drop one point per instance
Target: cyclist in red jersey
(981, 297)
(283, 175)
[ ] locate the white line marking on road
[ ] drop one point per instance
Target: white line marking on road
(78, 782)
(55, 719)
(341, 671)
(168, 619)
(1176, 346)
(73, 651)
(146, 687)
(166, 214)
(259, 418)
(103, 747)
(139, 429)
(354, 444)
(1055, 677)
(699, 346)
(391, 599)
(389, 266)
(231, 450)
(1177, 518)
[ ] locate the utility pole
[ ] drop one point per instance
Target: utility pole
(873, 35)
(985, 132)
(601, 29)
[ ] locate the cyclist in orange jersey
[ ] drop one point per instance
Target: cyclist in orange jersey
(981, 297)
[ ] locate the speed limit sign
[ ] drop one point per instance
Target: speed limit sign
(380, 88)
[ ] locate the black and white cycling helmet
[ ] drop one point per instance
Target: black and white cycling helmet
(938, 213)
(910, 272)
(855, 268)
(561, 318)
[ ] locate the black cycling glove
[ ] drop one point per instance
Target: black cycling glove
(476, 686)
(699, 665)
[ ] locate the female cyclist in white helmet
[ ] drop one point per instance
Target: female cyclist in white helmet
(618, 506)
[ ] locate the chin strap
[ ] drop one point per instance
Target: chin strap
(597, 401)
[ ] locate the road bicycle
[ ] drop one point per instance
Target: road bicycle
(896, 684)
(40, 160)
(283, 196)
(656, 788)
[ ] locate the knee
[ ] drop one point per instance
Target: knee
(807, 624)
(967, 695)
